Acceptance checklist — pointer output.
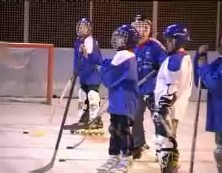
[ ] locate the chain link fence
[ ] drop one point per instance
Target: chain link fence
(54, 21)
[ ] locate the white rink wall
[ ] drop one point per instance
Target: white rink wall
(30, 82)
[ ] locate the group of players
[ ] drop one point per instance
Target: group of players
(165, 92)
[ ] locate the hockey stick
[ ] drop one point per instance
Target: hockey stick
(194, 138)
(66, 89)
(51, 163)
(146, 77)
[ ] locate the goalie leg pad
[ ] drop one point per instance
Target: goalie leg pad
(82, 96)
(94, 103)
(168, 155)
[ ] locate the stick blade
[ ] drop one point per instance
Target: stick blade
(43, 169)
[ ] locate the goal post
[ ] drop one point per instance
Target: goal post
(6, 47)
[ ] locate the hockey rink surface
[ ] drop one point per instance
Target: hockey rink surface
(21, 153)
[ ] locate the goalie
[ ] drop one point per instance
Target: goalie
(87, 58)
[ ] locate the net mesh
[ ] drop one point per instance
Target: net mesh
(11, 20)
(199, 16)
(108, 15)
(23, 74)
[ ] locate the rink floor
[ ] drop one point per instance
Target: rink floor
(21, 153)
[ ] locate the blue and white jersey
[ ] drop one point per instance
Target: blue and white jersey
(149, 56)
(211, 76)
(175, 76)
(87, 67)
(119, 75)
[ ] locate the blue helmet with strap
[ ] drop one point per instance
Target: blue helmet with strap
(178, 32)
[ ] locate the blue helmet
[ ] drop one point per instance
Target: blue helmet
(179, 33)
(124, 37)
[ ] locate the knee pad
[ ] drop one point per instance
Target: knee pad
(112, 130)
(218, 157)
(93, 97)
(94, 101)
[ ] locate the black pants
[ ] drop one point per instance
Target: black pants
(86, 89)
(121, 139)
(138, 128)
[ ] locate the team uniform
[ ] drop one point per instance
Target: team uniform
(87, 59)
(119, 75)
(211, 77)
(172, 92)
(150, 53)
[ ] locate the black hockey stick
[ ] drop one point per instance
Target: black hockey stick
(194, 138)
(51, 163)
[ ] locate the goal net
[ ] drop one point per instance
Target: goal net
(26, 72)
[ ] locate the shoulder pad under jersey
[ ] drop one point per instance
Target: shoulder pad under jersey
(175, 60)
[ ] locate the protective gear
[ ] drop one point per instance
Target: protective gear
(174, 124)
(123, 165)
(167, 100)
(125, 37)
(94, 103)
(81, 105)
(167, 153)
(203, 49)
(202, 58)
(218, 151)
(142, 25)
(109, 164)
(84, 28)
(177, 35)
(120, 135)
(149, 99)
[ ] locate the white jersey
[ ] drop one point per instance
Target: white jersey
(175, 75)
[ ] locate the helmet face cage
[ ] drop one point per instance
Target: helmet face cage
(119, 39)
(143, 28)
(83, 28)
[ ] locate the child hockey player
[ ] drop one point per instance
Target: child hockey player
(119, 75)
(150, 53)
(87, 58)
(172, 92)
(211, 77)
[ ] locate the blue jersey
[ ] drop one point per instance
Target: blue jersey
(119, 75)
(211, 75)
(149, 56)
(87, 67)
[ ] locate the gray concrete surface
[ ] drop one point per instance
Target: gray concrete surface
(21, 153)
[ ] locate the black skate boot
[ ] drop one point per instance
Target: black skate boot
(96, 127)
(138, 151)
(83, 121)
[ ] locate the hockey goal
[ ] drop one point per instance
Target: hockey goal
(26, 72)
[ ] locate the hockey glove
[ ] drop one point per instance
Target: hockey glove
(167, 100)
(202, 58)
